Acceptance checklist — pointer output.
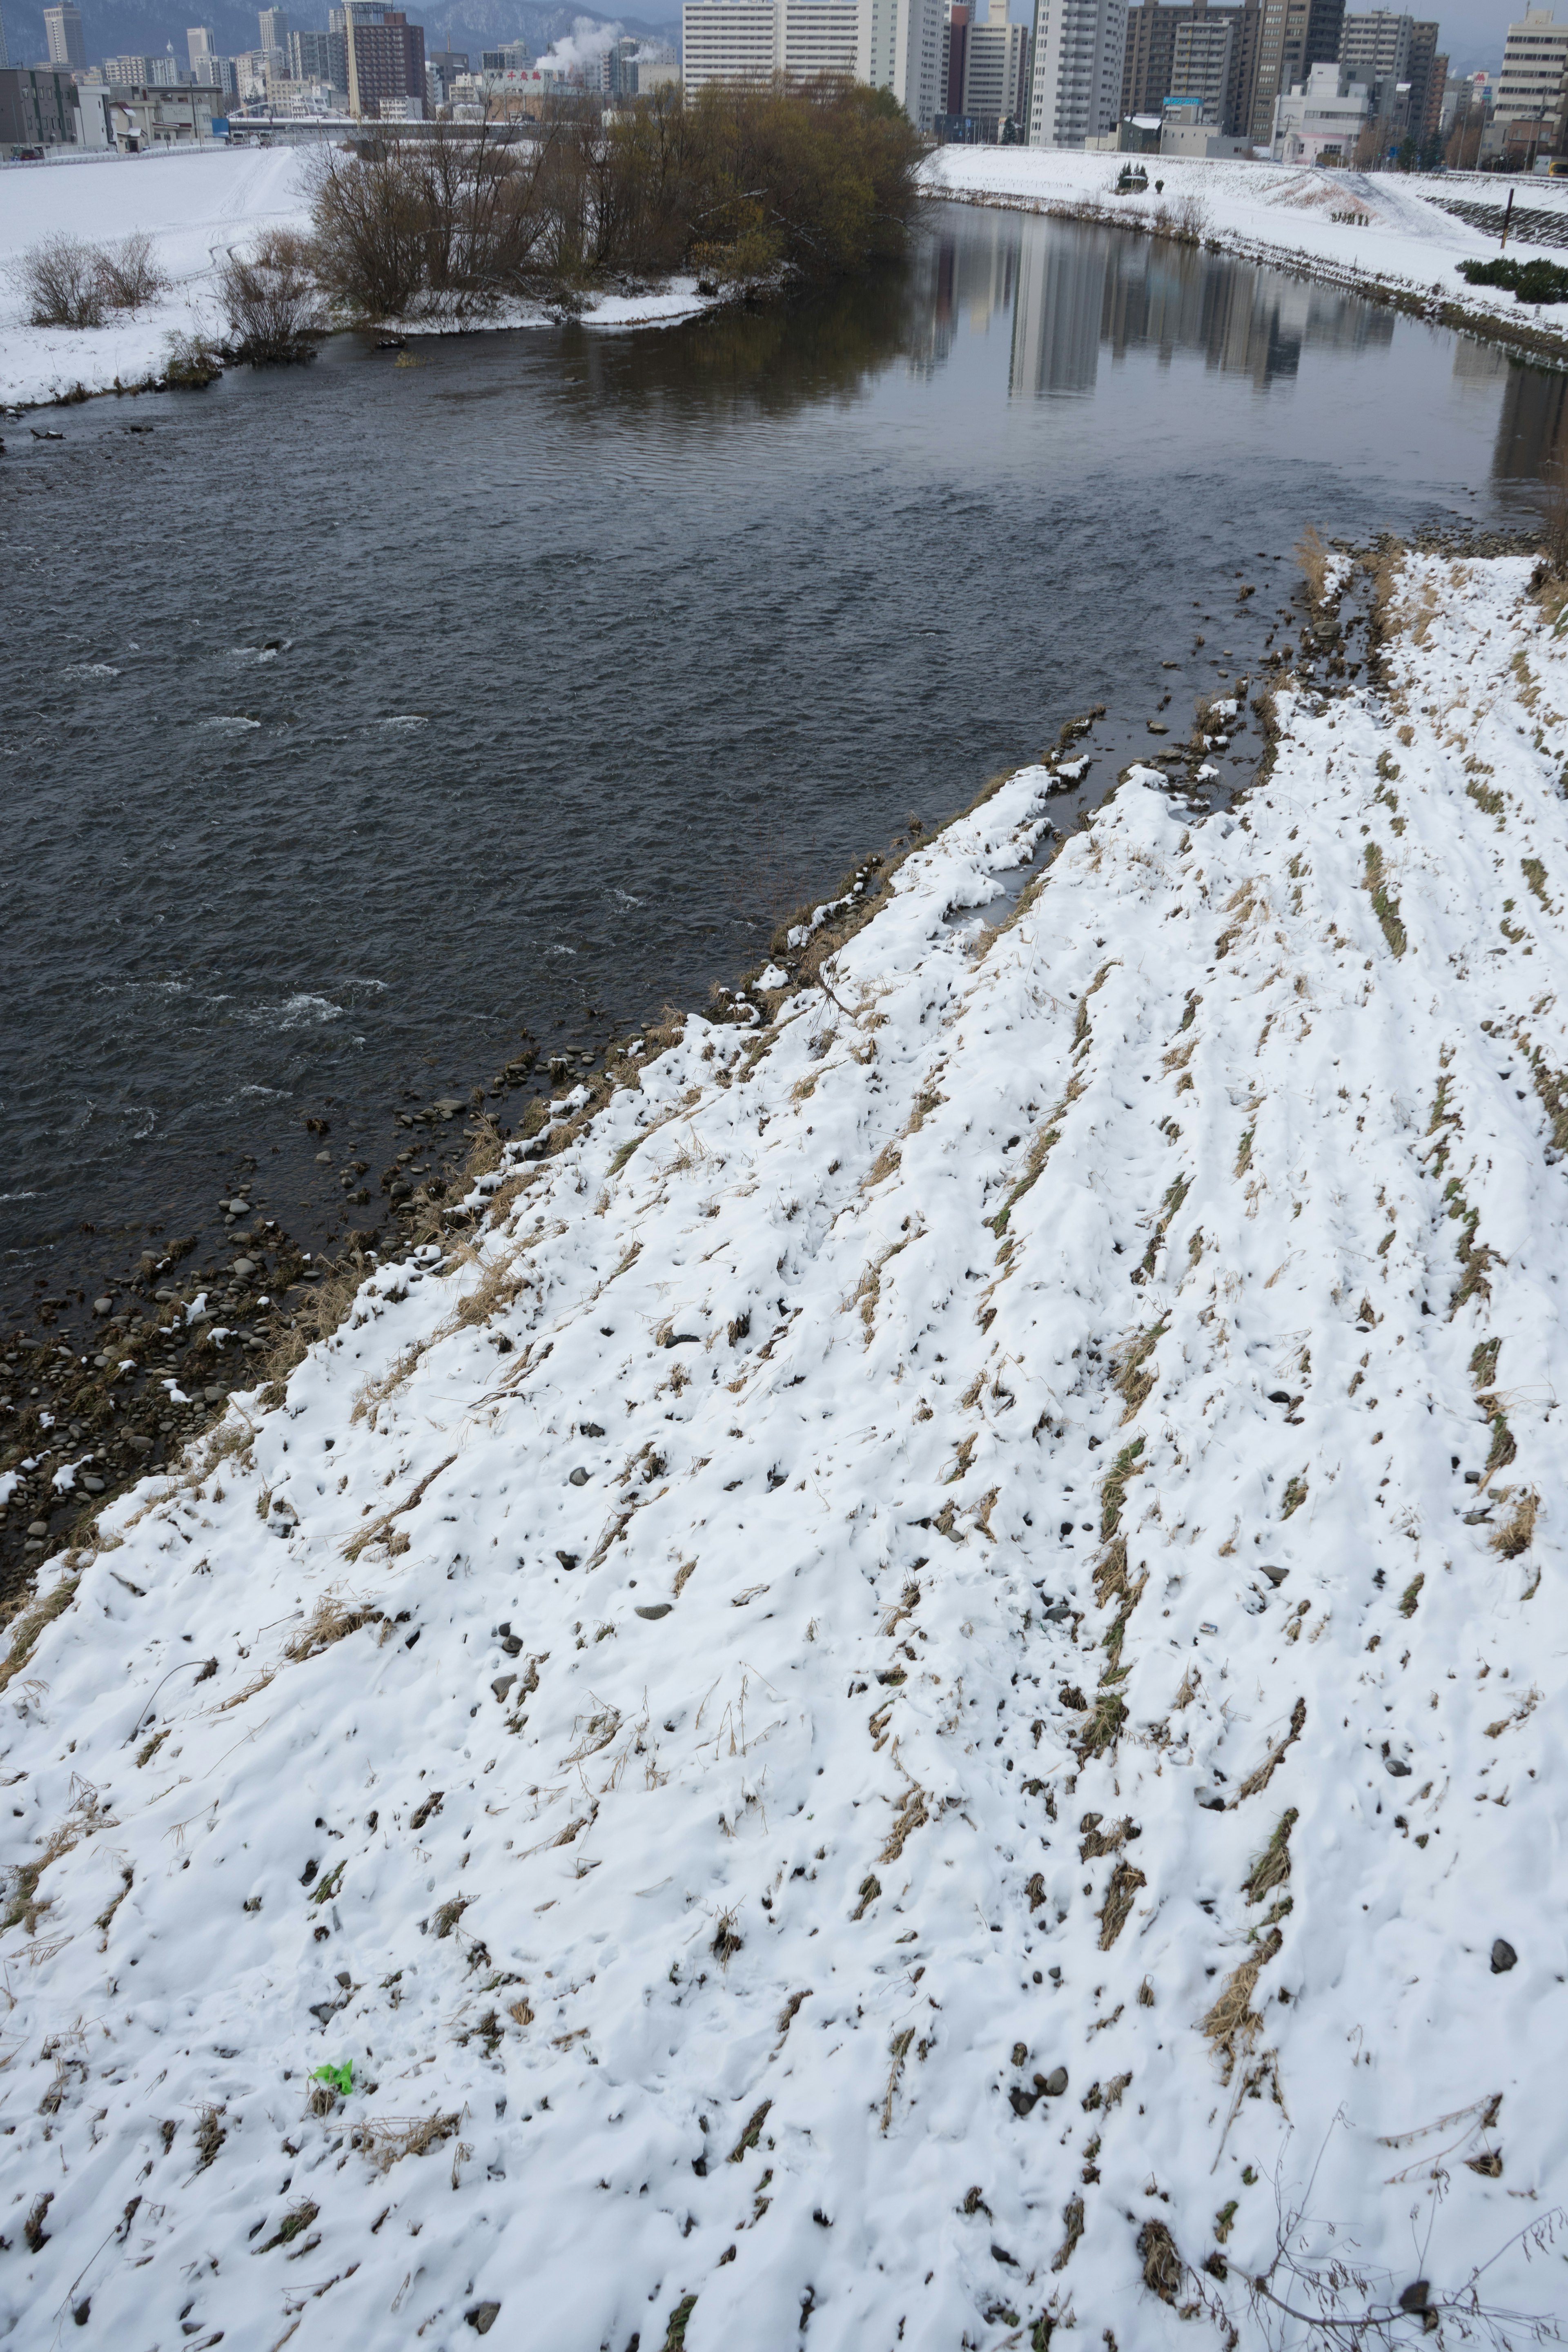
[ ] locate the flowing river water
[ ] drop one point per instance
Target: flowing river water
(368, 724)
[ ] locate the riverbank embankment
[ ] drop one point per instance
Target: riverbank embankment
(195, 209)
(924, 1679)
(1382, 235)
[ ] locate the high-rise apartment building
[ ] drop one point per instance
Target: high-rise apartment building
(1148, 57)
(1428, 72)
(62, 29)
(1201, 62)
(1293, 37)
(201, 42)
(1149, 71)
(1076, 83)
(5, 56)
(995, 66)
(1378, 44)
(274, 23)
(318, 57)
(1534, 57)
(385, 63)
(891, 44)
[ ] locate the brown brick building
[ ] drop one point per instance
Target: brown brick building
(386, 67)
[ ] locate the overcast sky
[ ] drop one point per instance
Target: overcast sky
(1472, 30)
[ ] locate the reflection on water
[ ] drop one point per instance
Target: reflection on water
(1530, 429)
(1071, 296)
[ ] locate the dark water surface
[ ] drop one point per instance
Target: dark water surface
(356, 718)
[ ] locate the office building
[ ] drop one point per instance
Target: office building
(386, 65)
(891, 44)
(1293, 37)
(274, 23)
(201, 42)
(39, 107)
(1322, 119)
(5, 56)
(138, 120)
(1076, 81)
(1530, 86)
(62, 29)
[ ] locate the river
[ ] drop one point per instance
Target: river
(363, 718)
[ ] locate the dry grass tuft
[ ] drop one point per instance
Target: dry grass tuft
(1256, 1782)
(899, 2050)
(378, 1529)
(727, 1939)
(1315, 559)
(333, 1619)
(389, 2138)
(28, 1628)
(1111, 1581)
(317, 1317)
(751, 2134)
(1233, 2018)
(1118, 1907)
(1135, 1377)
(1161, 2262)
(913, 1815)
(1517, 1530)
(1113, 1491)
(1072, 2214)
(1272, 1867)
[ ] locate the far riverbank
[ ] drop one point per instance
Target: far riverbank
(1386, 237)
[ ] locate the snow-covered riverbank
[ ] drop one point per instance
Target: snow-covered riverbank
(1381, 233)
(194, 208)
(930, 1684)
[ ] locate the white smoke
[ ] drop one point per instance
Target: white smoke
(580, 50)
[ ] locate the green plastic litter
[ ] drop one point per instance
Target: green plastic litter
(341, 2078)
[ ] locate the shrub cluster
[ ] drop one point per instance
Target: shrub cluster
(68, 283)
(269, 299)
(1532, 281)
(737, 185)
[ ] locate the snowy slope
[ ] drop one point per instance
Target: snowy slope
(1280, 214)
(929, 1552)
(194, 207)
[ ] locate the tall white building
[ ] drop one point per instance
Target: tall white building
(1075, 89)
(892, 43)
(1535, 57)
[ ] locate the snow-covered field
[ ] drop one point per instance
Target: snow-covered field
(1032, 1472)
(1282, 214)
(195, 208)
